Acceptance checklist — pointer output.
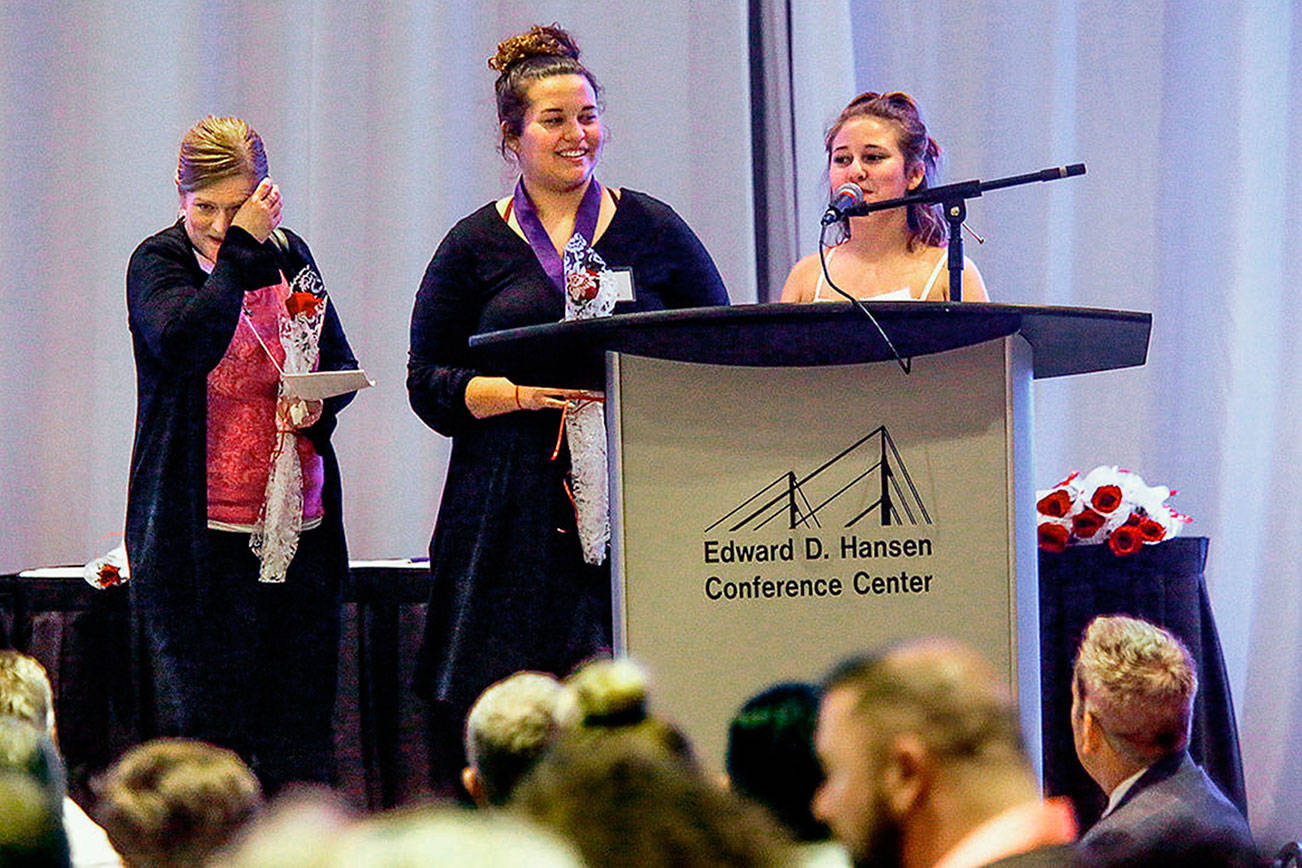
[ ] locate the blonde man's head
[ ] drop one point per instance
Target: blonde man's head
(25, 690)
(1138, 682)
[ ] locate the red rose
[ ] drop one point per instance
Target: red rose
(1126, 540)
(302, 303)
(1055, 504)
(1087, 523)
(582, 285)
(1053, 536)
(1106, 498)
(110, 575)
(1134, 519)
(1151, 531)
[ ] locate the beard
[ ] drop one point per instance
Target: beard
(882, 844)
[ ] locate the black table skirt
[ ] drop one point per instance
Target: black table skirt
(1161, 583)
(81, 635)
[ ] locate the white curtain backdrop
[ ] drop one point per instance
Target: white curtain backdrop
(379, 124)
(380, 128)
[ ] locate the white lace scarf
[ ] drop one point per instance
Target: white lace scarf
(275, 534)
(588, 295)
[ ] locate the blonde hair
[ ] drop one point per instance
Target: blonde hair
(609, 697)
(174, 801)
(218, 148)
(25, 690)
(1138, 682)
(508, 727)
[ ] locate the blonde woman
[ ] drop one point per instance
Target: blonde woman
(234, 534)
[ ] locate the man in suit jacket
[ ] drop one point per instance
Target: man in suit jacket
(1132, 702)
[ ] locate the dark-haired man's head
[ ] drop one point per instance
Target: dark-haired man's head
(770, 757)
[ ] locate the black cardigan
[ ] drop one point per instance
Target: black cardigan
(182, 321)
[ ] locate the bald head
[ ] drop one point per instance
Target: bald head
(939, 690)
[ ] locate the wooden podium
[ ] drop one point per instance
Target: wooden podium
(784, 495)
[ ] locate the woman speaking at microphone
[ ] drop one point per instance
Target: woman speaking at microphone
(880, 144)
(521, 578)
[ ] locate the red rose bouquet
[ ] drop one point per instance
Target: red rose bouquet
(1107, 505)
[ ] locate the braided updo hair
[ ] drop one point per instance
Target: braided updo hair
(926, 222)
(542, 52)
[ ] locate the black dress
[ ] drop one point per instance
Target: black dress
(221, 656)
(510, 588)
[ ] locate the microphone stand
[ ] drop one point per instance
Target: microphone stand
(953, 198)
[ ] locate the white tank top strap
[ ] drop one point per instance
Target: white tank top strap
(935, 273)
(818, 287)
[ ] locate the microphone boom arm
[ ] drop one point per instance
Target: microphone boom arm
(953, 198)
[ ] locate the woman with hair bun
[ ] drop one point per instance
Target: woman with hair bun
(518, 558)
(234, 532)
(880, 143)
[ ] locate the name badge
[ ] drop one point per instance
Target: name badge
(619, 282)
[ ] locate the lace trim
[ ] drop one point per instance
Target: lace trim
(274, 537)
(588, 295)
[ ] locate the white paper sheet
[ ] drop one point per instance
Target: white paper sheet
(318, 385)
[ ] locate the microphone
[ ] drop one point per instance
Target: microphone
(848, 196)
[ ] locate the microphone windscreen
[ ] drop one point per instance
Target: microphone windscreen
(851, 190)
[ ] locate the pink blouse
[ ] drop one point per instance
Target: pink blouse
(242, 392)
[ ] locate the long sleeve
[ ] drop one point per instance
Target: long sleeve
(444, 317)
(185, 323)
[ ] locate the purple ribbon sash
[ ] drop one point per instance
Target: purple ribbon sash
(585, 224)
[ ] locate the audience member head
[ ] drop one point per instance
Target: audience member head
(31, 830)
(522, 61)
(31, 796)
(26, 749)
(438, 836)
(25, 690)
(176, 801)
(622, 801)
(919, 744)
(301, 828)
(507, 729)
(609, 697)
(770, 757)
(1132, 697)
(919, 151)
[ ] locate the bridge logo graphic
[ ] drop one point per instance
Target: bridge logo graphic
(867, 483)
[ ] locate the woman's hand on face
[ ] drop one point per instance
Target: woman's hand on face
(260, 214)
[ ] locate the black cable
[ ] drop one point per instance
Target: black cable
(906, 365)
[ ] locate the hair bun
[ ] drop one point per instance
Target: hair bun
(610, 692)
(540, 41)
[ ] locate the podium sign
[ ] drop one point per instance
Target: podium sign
(770, 521)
